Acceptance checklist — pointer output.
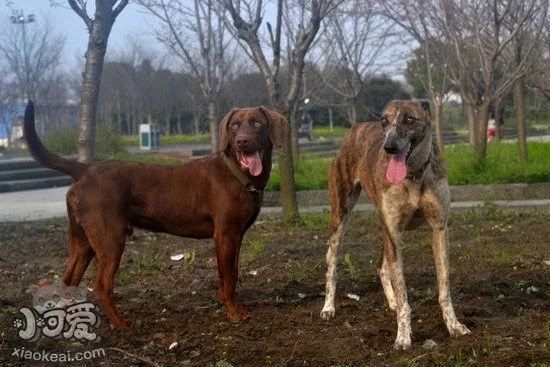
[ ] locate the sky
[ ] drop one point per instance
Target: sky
(130, 23)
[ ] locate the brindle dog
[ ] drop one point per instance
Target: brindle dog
(399, 167)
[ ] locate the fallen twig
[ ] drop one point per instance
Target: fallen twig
(135, 356)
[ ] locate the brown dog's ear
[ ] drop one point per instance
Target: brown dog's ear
(278, 126)
(224, 131)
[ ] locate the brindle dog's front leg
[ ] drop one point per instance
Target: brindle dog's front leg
(392, 256)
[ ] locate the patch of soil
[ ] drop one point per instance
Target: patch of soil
(500, 286)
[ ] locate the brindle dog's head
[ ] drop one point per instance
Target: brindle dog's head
(405, 124)
(249, 133)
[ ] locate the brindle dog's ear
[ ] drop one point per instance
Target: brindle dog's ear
(224, 131)
(278, 126)
(426, 107)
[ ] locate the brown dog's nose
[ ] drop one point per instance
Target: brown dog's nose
(243, 142)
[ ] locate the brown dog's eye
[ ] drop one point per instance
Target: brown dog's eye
(384, 121)
(410, 119)
(234, 125)
(257, 124)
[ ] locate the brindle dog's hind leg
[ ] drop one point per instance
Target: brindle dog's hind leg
(436, 208)
(343, 196)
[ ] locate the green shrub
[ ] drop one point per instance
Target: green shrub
(64, 141)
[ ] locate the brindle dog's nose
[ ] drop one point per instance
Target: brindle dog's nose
(390, 146)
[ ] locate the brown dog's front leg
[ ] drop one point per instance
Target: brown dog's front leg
(227, 251)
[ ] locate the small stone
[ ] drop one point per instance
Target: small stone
(532, 289)
(429, 344)
(194, 353)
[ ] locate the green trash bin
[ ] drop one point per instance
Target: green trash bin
(149, 136)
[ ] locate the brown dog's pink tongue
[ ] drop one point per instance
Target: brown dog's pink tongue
(397, 169)
(254, 164)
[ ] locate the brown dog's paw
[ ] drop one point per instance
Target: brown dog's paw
(239, 315)
(121, 324)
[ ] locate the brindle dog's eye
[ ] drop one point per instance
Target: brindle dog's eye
(410, 119)
(257, 124)
(384, 121)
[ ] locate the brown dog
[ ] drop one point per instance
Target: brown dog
(402, 172)
(218, 196)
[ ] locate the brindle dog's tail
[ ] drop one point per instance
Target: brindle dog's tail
(45, 157)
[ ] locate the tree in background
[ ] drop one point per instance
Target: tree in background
(483, 66)
(426, 68)
(355, 44)
(306, 17)
(31, 54)
(428, 78)
(99, 28)
(196, 34)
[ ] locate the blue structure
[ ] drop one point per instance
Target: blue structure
(10, 112)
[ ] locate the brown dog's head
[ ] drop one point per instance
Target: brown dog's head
(405, 123)
(249, 133)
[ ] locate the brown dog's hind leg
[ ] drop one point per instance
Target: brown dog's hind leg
(343, 196)
(107, 235)
(80, 252)
(228, 244)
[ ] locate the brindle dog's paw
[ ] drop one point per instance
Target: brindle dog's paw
(328, 313)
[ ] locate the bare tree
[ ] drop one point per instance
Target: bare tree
(354, 41)
(482, 66)
(196, 34)
(31, 53)
(532, 35)
(99, 28)
(247, 18)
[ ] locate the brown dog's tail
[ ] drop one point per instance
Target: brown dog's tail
(42, 155)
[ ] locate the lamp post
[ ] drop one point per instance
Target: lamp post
(18, 17)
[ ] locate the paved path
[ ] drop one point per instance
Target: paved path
(50, 203)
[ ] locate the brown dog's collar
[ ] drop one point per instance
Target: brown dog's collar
(239, 175)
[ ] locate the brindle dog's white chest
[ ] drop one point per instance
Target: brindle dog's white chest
(400, 202)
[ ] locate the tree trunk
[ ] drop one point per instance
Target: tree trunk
(288, 187)
(471, 116)
(294, 135)
(498, 116)
(482, 119)
(213, 125)
(330, 118)
(353, 113)
(519, 105)
(95, 55)
(437, 123)
(196, 124)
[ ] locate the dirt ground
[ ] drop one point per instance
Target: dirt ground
(500, 284)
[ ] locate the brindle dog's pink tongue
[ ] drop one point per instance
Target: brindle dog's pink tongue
(254, 164)
(397, 169)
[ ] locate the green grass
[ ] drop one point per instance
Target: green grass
(310, 174)
(131, 141)
(250, 251)
(502, 166)
(338, 131)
